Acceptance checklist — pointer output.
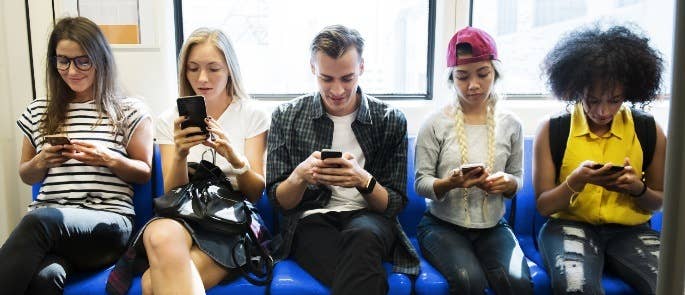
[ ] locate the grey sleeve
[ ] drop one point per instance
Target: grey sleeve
(514, 164)
(426, 161)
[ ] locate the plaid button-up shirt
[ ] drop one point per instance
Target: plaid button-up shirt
(301, 126)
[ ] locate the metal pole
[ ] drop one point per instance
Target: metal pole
(672, 256)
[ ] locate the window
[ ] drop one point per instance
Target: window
(272, 39)
(540, 23)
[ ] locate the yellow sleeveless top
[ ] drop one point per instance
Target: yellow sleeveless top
(596, 205)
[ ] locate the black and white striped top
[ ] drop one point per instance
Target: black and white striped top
(75, 184)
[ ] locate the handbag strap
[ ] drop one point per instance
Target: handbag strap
(251, 272)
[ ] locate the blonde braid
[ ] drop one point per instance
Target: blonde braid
(463, 147)
(491, 144)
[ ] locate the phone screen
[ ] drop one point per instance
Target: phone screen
(193, 107)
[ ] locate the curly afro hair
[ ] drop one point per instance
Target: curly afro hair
(615, 56)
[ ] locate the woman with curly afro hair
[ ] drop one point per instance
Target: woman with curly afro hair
(605, 188)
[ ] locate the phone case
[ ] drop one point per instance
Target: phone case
(194, 108)
(328, 153)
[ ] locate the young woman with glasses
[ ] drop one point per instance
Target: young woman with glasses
(81, 219)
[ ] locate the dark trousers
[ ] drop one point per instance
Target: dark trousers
(575, 252)
(345, 250)
(49, 243)
(471, 259)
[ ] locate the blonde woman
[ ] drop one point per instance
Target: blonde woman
(463, 233)
(184, 258)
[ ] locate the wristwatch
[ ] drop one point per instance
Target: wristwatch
(368, 188)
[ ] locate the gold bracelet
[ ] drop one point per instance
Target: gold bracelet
(574, 194)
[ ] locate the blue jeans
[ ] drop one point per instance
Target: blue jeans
(574, 254)
(471, 259)
(49, 243)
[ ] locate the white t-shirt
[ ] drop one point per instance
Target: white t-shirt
(240, 121)
(344, 198)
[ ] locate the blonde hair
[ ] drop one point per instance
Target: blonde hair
(463, 146)
(216, 37)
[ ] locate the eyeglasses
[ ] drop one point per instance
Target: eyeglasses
(82, 63)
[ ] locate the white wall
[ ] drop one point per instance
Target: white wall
(15, 90)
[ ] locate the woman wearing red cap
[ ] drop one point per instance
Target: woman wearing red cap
(463, 233)
(599, 212)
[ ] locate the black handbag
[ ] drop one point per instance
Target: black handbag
(209, 201)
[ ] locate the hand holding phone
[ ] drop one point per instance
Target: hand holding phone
(466, 168)
(57, 139)
(193, 108)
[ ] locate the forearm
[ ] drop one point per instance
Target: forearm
(557, 199)
(177, 174)
(377, 199)
(251, 184)
(290, 191)
(130, 170)
(442, 186)
(651, 200)
(32, 171)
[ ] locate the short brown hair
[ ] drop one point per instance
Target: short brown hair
(335, 40)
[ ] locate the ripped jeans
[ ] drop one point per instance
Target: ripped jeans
(473, 259)
(575, 252)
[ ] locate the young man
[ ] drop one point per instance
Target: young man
(340, 213)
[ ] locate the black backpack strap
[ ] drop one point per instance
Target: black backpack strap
(559, 128)
(645, 129)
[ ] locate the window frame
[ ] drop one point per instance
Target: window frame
(430, 64)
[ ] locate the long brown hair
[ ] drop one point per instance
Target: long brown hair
(105, 90)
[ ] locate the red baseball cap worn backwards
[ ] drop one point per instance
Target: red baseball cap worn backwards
(482, 46)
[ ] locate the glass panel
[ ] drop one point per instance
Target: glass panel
(272, 40)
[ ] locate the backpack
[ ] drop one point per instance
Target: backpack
(560, 126)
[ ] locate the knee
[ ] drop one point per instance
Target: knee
(466, 280)
(146, 283)
(165, 237)
(361, 237)
(36, 220)
(504, 281)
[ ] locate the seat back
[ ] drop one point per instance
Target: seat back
(416, 205)
(526, 220)
(142, 193)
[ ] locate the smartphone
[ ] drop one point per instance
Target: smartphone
(57, 139)
(612, 169)
(329, 153)
(466, 168)
(193, 107)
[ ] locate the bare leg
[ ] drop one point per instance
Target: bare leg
(168, 244)
(176, 265)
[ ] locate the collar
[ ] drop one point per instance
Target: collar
(580, 127)
(363, 112)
